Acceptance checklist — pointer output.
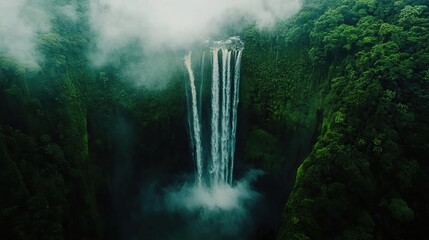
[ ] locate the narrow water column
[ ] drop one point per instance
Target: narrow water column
(214, 172)
(224, 137)
(235, 101)
(227, 129)
(226, 109)
(196, 126)
(202, 83)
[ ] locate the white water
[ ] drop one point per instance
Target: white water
(196, 127)
(202, 82)
(217, 169)
(234, 110)
(226, 112)
(215, 119)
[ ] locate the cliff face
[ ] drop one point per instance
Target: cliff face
(280, 110)
(346, 82)
(76, 147)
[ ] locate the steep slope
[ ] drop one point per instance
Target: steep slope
(363, 178)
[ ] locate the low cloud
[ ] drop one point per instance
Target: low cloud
(23, 24)
(20, 22)
(153, 27)
(160, 25)
(173, 23)
(70, 12)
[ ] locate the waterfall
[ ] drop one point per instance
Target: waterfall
(195, 120)
(213, 141)
(226, 116)
(234, 110)
(215, 118)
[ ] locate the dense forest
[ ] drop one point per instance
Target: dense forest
(338, 94)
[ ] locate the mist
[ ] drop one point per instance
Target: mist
(162, 29)
(145, 38)
(20, 22)
(172, 23)
(24, 22)
(188, 211)
(190, 197)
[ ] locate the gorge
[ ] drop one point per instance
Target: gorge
(118, 120)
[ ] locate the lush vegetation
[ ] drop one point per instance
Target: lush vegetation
(62, 138)
(341, 91)
(350, 79)
(365, 176)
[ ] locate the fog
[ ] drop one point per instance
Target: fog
(20, 22)
(194, 212)
(158, 28)
(23, 22)
(153, 31)
(173, 23)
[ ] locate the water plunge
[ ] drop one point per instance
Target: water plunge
(213, 147)
(214, 205)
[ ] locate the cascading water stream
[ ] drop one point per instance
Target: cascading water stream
(214, 150)
(235, 101)
(226, 112)
(195, 120)
(215, 119)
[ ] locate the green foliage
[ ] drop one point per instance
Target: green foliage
(34, 192)
(262, 149)
(344, 85)
(400, 210)
(373, 112)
